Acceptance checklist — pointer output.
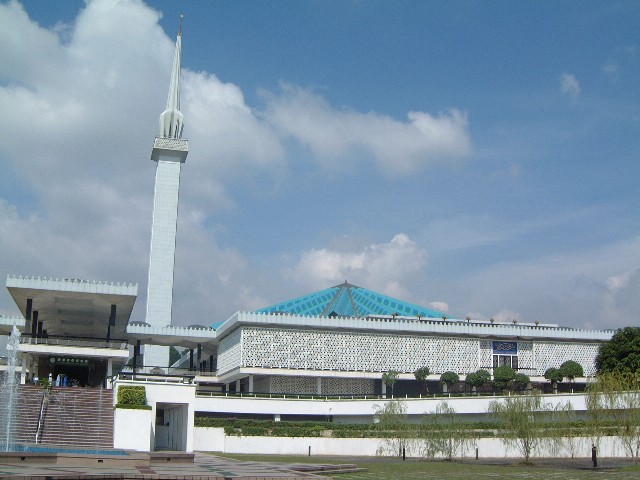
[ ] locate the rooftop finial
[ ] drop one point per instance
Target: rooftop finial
(171, 122)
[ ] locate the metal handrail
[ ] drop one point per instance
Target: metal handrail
(45, 396)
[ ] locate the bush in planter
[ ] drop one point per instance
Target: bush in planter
(133, 397)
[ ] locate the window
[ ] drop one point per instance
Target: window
(508, 360)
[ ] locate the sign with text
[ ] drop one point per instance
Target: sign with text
(505, 348)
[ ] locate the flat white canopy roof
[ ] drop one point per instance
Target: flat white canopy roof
(73, 307)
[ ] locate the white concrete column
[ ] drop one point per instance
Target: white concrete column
(23, 369)
(238, 386)
(36, 371)
(319, 385)
(250, 383)
(384, 389)
(109, 372)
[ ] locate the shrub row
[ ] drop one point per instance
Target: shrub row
(266, 428)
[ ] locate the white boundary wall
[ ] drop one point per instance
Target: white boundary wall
(215, 440)
(364, 409)
(174, 396)
(133, 429)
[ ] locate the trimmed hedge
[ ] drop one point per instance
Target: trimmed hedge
(132, 395)
(270, 428)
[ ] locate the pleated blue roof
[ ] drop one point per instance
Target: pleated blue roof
(346, 300)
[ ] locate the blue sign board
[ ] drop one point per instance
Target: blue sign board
(505, 348)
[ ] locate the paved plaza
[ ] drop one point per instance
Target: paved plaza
(207, 467)
(204, 467)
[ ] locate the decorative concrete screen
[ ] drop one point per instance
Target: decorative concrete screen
(229, 352)
(340, 386)
(301, 385)
(370, 352)
(328, 386)
(553, 354)
(350, 351)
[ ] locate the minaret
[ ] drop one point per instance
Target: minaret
(170, 152)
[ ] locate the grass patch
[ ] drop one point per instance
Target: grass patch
(414, 469)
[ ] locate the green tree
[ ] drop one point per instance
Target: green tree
(390, 378)
(398, 433)
(503, 376)
(478, 379)
(449, 379)
(421, 376)
(554, 375)
(521, 381)
(615, 396)
(519, 422)
(571, 369)
(621, 353)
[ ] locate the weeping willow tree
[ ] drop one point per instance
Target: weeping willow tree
(613, 405)
(443, 434)
(398, 434)
(567, 433)
(520, 418)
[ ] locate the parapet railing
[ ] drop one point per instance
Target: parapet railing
(530, 371)
(156, 377)
(166, 371)
(75, 342)
(300, 396)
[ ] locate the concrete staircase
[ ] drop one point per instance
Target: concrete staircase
(72, 417)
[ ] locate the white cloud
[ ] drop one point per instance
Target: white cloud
(83, 114)
(440, 306)
(611, 70)
(84, 101)
(592, 288)
(388, 268)
(569, 84)
(396, 148)
(506, 315)
(616, 283)
(622, 300)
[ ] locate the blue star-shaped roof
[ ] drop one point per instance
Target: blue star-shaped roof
(348, 300)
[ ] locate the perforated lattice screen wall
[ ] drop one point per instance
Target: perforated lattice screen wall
(347, 386)
(525, 357)
(301, 385)
(326, 350)
(330, 386)
(355, 351)
(486, 354)
(229, 352)
(552, 354)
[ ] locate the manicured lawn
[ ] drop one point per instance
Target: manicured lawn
(388, 468)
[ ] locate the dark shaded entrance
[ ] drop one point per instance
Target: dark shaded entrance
(76, 371)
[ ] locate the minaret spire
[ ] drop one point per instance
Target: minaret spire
(171, 122)
(170, 152)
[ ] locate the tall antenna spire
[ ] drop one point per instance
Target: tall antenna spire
(171, 121)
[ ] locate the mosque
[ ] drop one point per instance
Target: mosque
(335, 342)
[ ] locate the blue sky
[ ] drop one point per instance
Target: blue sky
(478, 157)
